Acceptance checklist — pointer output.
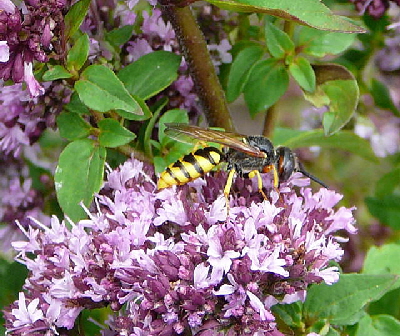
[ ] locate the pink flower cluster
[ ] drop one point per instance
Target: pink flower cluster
(26, 35)
(172, 262)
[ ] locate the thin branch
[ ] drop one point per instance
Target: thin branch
(194, 48)
(269, 121)
(130, 151)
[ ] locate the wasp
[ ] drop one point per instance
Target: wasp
(246, 156)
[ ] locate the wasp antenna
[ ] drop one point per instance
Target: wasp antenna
(312, 177)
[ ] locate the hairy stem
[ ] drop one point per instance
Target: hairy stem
(194, 48)
(130, 151)
(269, 121)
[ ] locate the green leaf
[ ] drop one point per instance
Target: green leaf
(343, 301)
(333, 332)
(382, 97)
(119, 36)
(130, 116)
(382, 260)
(176, 151)
(240, 70)
(171, 116)
(78, 54)
(10, 289)
(100, 89)
(282, 135)
(151, 73)
(278, 42)
(345, 140)
(337, 88)
(303, 73)
(289, 313)
(72, 126)
(379, 325)
(322, 327)
(56, 72)
(74, 17)
(176, 148)
(388, 183)
(267, 82)
(147, 145)
(321, 43)
(113, 134)
(75, 105)
(79, 174)
(387, 304)
(159, 164)
(311, 13)
(386, 209)
(243, 44)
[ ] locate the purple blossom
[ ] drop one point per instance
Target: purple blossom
(7, 6)
(221, 51)
(23, 119)
(375, 8)
(26, 315)
(4, 51)
(125, 12)
(35, 89)
(382, 130)
(155, 28)
(27, 35)
(190, 270)
(387, 58)
(19, 201)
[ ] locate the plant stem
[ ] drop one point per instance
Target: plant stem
(269, 121)
(194, 48)
(288, 28)
(130, 151)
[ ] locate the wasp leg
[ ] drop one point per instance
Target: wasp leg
(272, 167)
(259, 181)
(228, 187)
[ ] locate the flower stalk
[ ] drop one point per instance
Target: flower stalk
(194, 48)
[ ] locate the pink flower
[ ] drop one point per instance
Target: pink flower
(171, 256)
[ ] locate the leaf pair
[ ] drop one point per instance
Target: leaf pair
(330, 308)
(80, 169)
(312, 13)
(264, 81)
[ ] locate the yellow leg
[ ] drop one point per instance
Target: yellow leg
(228, 187)
(272, 167)
(276, 177)
(259, 182)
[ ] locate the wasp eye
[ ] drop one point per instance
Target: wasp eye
(286, 163)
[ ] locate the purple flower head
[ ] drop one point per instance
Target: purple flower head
(19, 201)
(176, 261)
(4, 51)
(7, 6)
(375, 8)
(221, 51)
(382, 130)
(28, 35)
(23, 118)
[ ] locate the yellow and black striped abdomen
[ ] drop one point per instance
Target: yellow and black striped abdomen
(190, 167)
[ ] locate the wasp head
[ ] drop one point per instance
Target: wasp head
(287, 163)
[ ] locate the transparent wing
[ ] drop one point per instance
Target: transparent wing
(191, 134)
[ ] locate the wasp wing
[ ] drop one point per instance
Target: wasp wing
(191, 134)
